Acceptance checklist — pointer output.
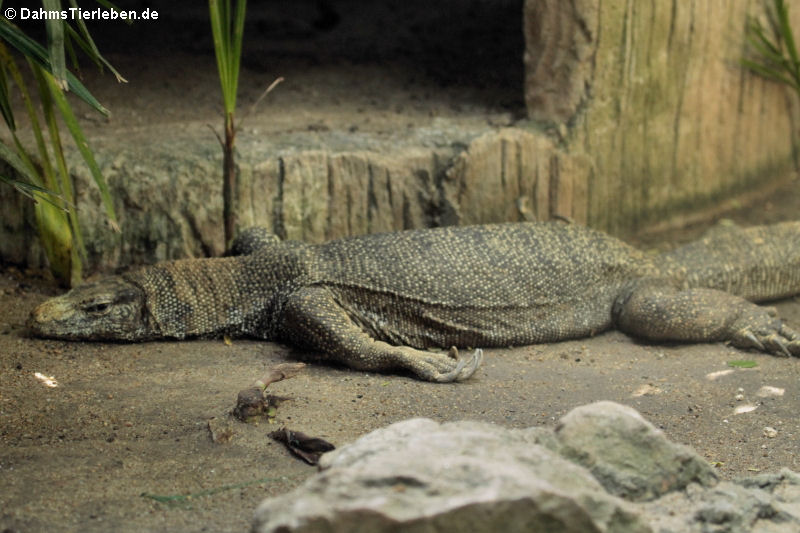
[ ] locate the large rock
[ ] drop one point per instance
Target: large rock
(627, 454)
(419, 475)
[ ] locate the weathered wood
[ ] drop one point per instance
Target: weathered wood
(640, 115)
(319, 195)
(653, 94)
(507, 175)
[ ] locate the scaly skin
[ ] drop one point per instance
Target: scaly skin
(376, 302)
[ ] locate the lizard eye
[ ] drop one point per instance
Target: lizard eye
(96, 308)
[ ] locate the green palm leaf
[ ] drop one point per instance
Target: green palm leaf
(36, 52)
(42, 173)
(773, 51)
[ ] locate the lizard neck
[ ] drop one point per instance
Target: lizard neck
(207, 297)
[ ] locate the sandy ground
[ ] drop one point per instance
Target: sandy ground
(121, 443)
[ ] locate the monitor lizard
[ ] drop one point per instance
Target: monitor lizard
(380, 302)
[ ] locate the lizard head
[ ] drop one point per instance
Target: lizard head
(109, 309)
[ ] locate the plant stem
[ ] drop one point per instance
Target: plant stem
(229, 180)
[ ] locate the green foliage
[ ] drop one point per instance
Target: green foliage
(773, 51)
(42, 172)
(227, 28)
(743, 363)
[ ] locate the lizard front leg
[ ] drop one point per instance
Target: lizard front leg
(313, 319)
(661, 312)
(252, 240)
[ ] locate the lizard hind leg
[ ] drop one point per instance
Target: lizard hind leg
(313, 319)
(663, 313)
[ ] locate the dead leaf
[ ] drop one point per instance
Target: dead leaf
(252, 403)
(309, 449)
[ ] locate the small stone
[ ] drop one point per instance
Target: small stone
(766, 391)
(718, 374)
(221, 429)
(770, 432)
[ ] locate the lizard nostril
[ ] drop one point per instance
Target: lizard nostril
(47, 312)
(38, 314)
(37, 319)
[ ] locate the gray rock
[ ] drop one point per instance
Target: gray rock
(419, 475)
(729, 507)
(627, 454)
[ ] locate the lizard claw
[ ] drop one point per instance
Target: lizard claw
(762, 332)
(465, 367)
(785, 349)
(789, 333)
(753, 339)
(453, 374)
(775, 341)
(472, 365)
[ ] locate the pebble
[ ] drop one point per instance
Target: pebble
(770, 432)
(718, 374)
(767, 391)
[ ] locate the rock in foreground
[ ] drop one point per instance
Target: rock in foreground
(588, 475)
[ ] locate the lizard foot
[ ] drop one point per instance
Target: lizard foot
(766, 333)
(439, 367)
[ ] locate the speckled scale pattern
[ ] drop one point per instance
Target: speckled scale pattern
(492, 285)
(489, 285)
(240, 295)
(375, 301)
(758, 263)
